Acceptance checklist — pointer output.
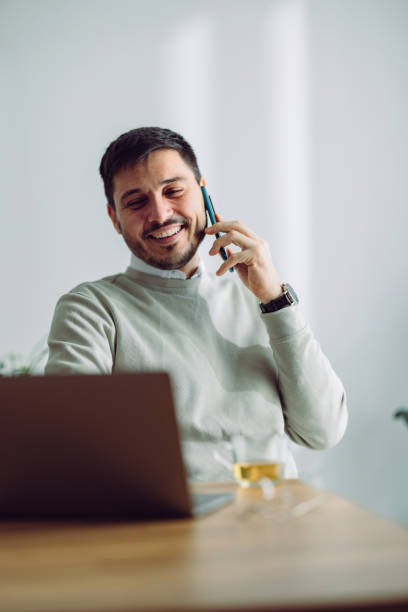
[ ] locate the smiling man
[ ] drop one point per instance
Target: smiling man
(157, 206)
(242, 360)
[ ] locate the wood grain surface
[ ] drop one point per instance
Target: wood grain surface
(302, 550)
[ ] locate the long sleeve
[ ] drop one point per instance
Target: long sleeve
(82, 336)
(312, 396)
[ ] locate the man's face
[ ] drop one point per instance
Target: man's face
(160, 211)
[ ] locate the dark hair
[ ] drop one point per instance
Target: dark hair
(134, 146)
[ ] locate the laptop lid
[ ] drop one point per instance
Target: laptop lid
(91, 446)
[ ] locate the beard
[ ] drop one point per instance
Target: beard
(172, 258)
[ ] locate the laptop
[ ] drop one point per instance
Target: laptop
(93, 446)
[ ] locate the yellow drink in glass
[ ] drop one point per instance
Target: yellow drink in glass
(250, 474)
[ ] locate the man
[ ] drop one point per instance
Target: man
(240, 356)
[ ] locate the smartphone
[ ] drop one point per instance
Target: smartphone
(211, 213)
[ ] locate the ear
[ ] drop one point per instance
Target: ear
(112, 214)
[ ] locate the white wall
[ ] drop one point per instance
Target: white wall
(297, 113)
(359, 94)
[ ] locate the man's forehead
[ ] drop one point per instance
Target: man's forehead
(157, 168)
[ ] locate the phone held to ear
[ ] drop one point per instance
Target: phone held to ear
(211, 213)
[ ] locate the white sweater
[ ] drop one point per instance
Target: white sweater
(233, 369)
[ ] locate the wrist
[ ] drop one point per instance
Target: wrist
(272, 294)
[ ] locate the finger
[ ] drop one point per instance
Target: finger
(233, 260)
(228, 226)
(231, 238)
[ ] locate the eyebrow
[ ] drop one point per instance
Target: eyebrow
(137, 190)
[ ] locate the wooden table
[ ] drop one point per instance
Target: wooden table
(251, 555)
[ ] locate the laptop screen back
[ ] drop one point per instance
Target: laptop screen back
(90, 446)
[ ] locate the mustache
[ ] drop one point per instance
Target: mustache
(173, 221)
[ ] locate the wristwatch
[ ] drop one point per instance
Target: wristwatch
(287, 298)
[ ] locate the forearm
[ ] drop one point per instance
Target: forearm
(312, 396)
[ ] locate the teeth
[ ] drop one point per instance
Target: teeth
(168, 233)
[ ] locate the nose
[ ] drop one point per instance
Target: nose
(159, 209)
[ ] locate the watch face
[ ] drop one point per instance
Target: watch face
(292, 293)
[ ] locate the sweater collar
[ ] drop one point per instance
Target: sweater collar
(141, 266)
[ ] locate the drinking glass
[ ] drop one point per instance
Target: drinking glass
(254, 461)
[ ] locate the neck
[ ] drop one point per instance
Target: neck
(191, 267)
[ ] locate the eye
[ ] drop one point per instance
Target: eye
(136, 203)
(174, 192)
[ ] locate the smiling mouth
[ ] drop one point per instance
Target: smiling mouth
(166, 234)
